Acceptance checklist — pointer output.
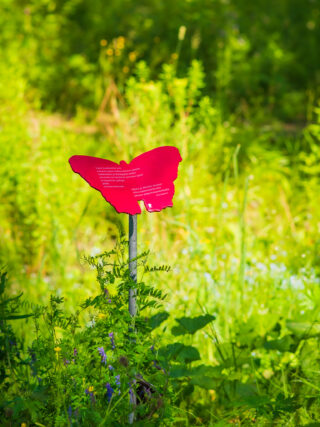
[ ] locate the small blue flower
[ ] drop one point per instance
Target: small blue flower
(111, 335)
(102, 354)
(70, 413)
(90, 393)
(111, 368)
(110, 391)
(131, 393)
(117, 378)
(118, 383)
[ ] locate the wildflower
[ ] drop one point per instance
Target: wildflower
(174, 56)
(120, 42)
(75, 352)
(103, 42)
(110, 391)
(131, 394)
(102, 316)
(102, 354)
(117, 378)
(111, 368)
(66, 362)
(90, 392)
(213, 394)
(57, 349)
(107, 295)
(118, 383)
(23, 425)
(111, 335)
(109, 51)
(70, 412)
(132, 56)
(126, 69)
(91, 323)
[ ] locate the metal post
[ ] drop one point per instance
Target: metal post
(132, 291)
(133, 264)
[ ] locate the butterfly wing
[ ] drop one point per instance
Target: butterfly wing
(108, 178)
(159, 169)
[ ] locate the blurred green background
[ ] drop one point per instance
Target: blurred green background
(233, 84)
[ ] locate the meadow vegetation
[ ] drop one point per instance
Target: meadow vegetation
(235, 86)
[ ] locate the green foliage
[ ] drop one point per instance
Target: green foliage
(86, 374)
(234, 85)
(263, 53)
(191, 325)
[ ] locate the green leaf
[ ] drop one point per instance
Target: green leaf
(283, 344)
(18, 316)
(305, 329)
(179, 352)
(254, 401)
(312, 425)
(205, 382)
(207, 370)
(179, 371)
(5, 302)
(178, 330)
(157, 319)
(3, 278)
(188, 354)
(190, 325)
(286, 404)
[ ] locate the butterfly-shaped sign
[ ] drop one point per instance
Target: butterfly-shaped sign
(148, 177)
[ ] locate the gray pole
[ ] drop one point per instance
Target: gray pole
(133, 264)
(132, 291)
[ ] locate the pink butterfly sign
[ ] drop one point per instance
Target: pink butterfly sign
(149, 177)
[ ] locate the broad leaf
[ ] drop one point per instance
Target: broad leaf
(190, 325)
(157, 319)
(283, 344)
(180, 371)
(179, 352)
(304, 329)
(205, 382)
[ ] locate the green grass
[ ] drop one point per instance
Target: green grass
(242, 237)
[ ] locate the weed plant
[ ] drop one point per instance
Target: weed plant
(112, 371)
